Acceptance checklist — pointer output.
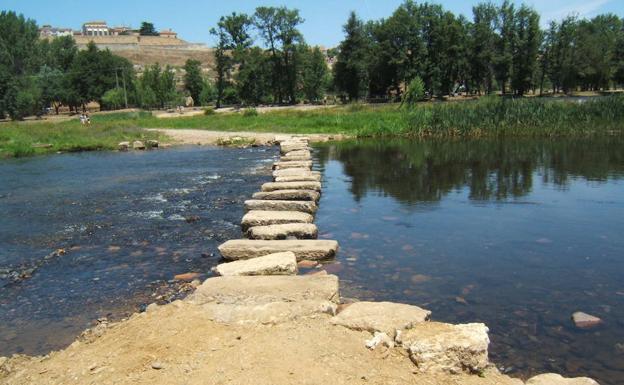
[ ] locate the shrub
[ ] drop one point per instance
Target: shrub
(250, 112)
(415, 92)
(113, 99)
(209, 111)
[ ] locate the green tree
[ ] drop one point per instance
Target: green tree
(193, 81)
(314, 75)
(350, 70)
(503, 60)
(415, 92)
(51, 86)
(483, 45)
(113, 99)
(526, 50)
(148, 29)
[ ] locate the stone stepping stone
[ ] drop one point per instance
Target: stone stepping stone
(301, 185)
(277, 205)
(284, 231)
(265, 218)
(266, 289)
(288, 195)
(384, 317)
(557, 379)
(288, 147)
(272, 264)
(291, 138)
(304, 249)
(307, 164)
(299, 178)
(295, 158)
(294, 171)
(298, 153)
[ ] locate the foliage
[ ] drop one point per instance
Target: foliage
(157, 87)
(247, 112)
(315, 74)
(350, 73)
(415, 92)
(193, 81)
(148, 29)
(113, 99)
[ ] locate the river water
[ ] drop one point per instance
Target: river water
(518, 234)
(128, 223)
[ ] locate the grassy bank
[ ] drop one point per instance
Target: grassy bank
(486, 117)
(31, 138)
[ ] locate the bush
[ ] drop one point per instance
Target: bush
(209, 111)
(113, 99)
(250, 112)
(415, 92)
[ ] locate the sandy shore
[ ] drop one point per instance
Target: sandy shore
(207, 137)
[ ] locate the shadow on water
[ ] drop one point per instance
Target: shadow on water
(128, 223)
(518, 234)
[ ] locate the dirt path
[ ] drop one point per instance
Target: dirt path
(207, 137)
(179, 344)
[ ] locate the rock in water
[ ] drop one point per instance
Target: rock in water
(585, 321)
(138, 145)
(556, 379)
(272, 264)
(123, 146)
(439, 347)
(304, 249)
(265, 218)
(284, 231)
(277, 205)
(301, 185)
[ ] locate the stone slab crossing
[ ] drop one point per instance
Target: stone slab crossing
(303, 248)
(277, 205)
(284, 231)
(288, 195)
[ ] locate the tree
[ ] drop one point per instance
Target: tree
(483, 45)
(52, 87)
(253, 80)
(415, 92)
(148, 29)
(503, 61)
(350, 70)
(314, 74)
(193, 81)
(113, 99)
(527, 42)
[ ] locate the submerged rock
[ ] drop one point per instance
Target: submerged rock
(585, 321)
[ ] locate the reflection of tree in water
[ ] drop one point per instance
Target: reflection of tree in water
(412, 171)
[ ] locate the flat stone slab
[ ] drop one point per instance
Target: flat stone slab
(298, 153)
(285, 148)
(295, 158)
(304, 249)
(304, 164)
(254, 290)
(585, 321)
(293, 171)
(284, 231)
(264, 218)
(300, 185)
(299, 178)
(273, 264)
(277, 205)
(290, 138)
(271, 313)
(288, 195)
(384, 317)
(556, 379)
(440, 347)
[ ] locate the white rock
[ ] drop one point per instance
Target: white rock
(299, 178)
(123, 146)
(556, 379)
(294, 171)
(267, 313)
(284, 231)
(301, 185)
(584, 320)
(265, 218)
(306, 164)
(304, 249)
(439, 347)
(138, 145)
(273, 264)
(288, 195)
(379, 338)
(277, 205)
(385, 317)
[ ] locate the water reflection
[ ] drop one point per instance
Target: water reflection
(413, 171)
(518, 234)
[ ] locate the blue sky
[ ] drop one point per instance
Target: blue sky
(323, 18)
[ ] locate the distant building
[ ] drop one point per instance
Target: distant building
(116, 31)
(95, 28)
(49, 31)
(168, 33)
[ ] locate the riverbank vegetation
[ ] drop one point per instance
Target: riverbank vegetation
(485, 117)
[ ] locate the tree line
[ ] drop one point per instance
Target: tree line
(502, 49)
(36, 74)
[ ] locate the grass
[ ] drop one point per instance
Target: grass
(486, 117)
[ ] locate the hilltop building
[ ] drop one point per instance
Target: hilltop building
(95, 28)
(49, 31)
(168, 33)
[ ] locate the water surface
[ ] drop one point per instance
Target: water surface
(518, 234)
(128, 223)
